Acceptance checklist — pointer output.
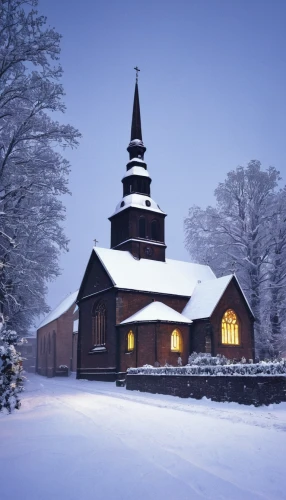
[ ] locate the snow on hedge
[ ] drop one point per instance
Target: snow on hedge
(203, 364)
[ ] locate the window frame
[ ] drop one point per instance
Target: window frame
(130, 346)
(179, 350)
(227, 333)
(99, 321)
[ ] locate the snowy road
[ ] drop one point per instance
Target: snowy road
(90, 440)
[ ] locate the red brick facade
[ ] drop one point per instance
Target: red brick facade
(57, 344)
(211, 327)
(152, 345)
(152, 339)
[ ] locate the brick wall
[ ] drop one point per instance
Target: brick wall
(97, 365)
(231, 299)
(128, 303)
(54, 344)
(257, 390)
(95, 279)
(152, 343)
(46, 349)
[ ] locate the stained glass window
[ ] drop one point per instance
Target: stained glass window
(229, 328)
(130, 341)
(176, 341)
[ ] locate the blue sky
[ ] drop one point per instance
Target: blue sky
(212, 93)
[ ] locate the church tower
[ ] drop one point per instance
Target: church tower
(138, 223)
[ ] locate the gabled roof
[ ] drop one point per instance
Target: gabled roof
(206, 296)
(60, 309)
(156, 311)
(172, 277)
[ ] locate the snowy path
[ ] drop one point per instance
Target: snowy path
(89, 440)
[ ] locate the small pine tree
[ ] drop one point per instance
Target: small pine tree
(11, 379)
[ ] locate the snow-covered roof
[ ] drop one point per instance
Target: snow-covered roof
(137, 171)
(138, 201)
(60, 309)
(173, 277)
(156, 311)
(206, 296)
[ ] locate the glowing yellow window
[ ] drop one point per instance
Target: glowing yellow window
(130, 341)
(176, 341)
(229, 328)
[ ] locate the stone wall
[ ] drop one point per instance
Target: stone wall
(248, 390)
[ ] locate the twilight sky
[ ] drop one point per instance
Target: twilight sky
(212, 95)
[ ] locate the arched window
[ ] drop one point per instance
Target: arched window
(142, 227)
(176, 341)
(154, 230)
(99, 325)
(130, 341)
(44, 345)
(41, 345)
(229, 328)
(49, 343)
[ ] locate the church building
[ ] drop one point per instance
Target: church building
(137, 307)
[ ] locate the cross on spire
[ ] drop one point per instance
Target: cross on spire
(137, 69)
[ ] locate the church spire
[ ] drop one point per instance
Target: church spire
(136, 131)
(138, 223)
(136, 148)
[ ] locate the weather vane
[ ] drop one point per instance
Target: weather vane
(137, 69)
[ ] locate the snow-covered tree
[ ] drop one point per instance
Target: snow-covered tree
(245, 233)
(277, 273)
(11, 380)
(33, 173)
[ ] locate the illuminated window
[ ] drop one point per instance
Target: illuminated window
(130, 341)
(176, 341)
(99, 325)
(229, 328)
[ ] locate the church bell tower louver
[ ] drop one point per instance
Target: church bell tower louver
(138, 223)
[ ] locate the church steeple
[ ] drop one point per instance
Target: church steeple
(136, 148)
(136, 131)
(137, 224)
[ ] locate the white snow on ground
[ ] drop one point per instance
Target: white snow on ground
(76, 440)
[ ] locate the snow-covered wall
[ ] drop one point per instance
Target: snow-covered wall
(248, 390)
